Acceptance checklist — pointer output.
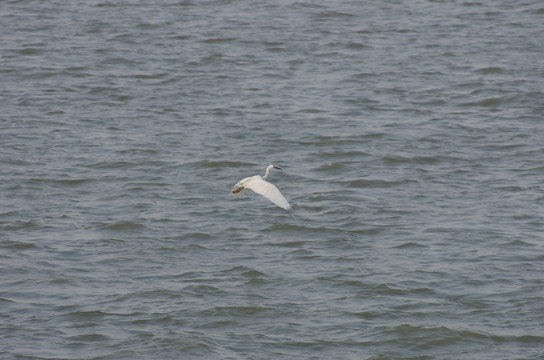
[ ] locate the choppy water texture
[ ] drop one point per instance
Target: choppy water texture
(411, 136)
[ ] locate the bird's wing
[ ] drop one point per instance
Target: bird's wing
(238, 190)
(269, 191)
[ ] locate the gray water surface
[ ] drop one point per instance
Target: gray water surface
(411, 137)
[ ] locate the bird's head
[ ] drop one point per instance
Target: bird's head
(268, 168)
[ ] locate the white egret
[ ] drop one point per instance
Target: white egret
(266, 189)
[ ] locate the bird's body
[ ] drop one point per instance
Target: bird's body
(262, 187)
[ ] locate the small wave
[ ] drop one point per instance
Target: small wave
(518, 243)
(292, 227)
(410, 245)
(253, 273)
(197, 236)
(112, 165)
(124, 226)
(235, 311)
(19, 225)
(341, 154)
(530, 339)
(303, 254)
(331, 167)
(88, 314)
(218, 40)
(323, 140)
(293, 244)
(201, 290)
(334, 14)
(88, 337)
(17, 245)
(216, 164)
(490, 70)
(416, 159)
(243, 270)
(363, 183)
(431, 102)
(489, 102)
(31, 51)
(72, 182)
(356, 46)
(368, 315)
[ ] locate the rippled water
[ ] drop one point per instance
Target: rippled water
(411, 138)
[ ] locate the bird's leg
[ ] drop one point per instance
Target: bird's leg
(236, 191)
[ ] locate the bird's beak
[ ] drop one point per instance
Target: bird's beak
(275, 167)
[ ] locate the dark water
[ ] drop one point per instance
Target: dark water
(411, 136)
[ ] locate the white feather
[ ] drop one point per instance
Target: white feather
(262, 187)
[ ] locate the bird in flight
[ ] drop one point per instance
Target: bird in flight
(260, 186)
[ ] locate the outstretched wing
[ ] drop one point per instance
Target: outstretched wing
(269, 191)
